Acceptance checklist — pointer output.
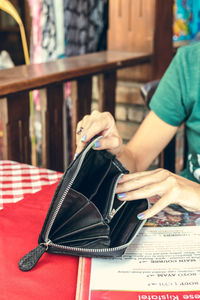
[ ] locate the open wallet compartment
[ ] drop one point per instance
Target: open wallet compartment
(85, 217)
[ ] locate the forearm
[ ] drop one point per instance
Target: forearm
(126, 157)
(149, 140)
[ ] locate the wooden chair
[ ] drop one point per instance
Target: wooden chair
(16, 83)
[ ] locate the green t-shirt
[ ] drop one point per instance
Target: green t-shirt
(177, 100)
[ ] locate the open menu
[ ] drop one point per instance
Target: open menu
(161, 259)
(163, 263)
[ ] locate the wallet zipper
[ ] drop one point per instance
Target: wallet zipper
(113, 211)
(28, 261)
(50, 224)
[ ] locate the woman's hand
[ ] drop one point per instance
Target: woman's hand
(171, 188)
(102, 124)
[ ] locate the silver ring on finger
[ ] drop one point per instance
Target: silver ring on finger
(80, 130)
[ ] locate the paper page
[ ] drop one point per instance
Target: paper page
(160, 259)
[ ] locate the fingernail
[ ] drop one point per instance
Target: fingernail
(120, 178)
(141, 216)
(83, 139)
(75, 155)
(96, 144)
(122, 195)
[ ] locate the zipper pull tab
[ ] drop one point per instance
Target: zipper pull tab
(29, 261)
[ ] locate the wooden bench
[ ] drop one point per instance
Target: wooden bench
(16, 83)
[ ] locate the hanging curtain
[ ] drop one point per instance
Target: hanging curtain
(48, 28)
(83, 21)
(59, 25)
(66, 28)
(63, 28)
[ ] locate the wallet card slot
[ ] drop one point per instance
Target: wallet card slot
(104, 196)
(64, 224)
(81, 240)
(100, 183)
(90, 244)
(78, 222)
(91, 174)
(72, 204)
(86, 231)
(125, 223)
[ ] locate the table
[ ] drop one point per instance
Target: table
(17, 180)
(25, 195)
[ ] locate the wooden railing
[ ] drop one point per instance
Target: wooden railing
(16, 83)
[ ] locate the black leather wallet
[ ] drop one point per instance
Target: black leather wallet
(85, 217)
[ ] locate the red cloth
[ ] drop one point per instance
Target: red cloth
(54, 277)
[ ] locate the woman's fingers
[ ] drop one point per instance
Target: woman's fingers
(171, 189)
(144, 192)
(91, 125)
(163, 188)
(148, 184)
(109, 143)
(138, 180)
(98, 124)
(162, 203)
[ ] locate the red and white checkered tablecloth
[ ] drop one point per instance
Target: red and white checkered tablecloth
(17, 179)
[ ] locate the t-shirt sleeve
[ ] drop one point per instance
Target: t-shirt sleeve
(167, 101)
